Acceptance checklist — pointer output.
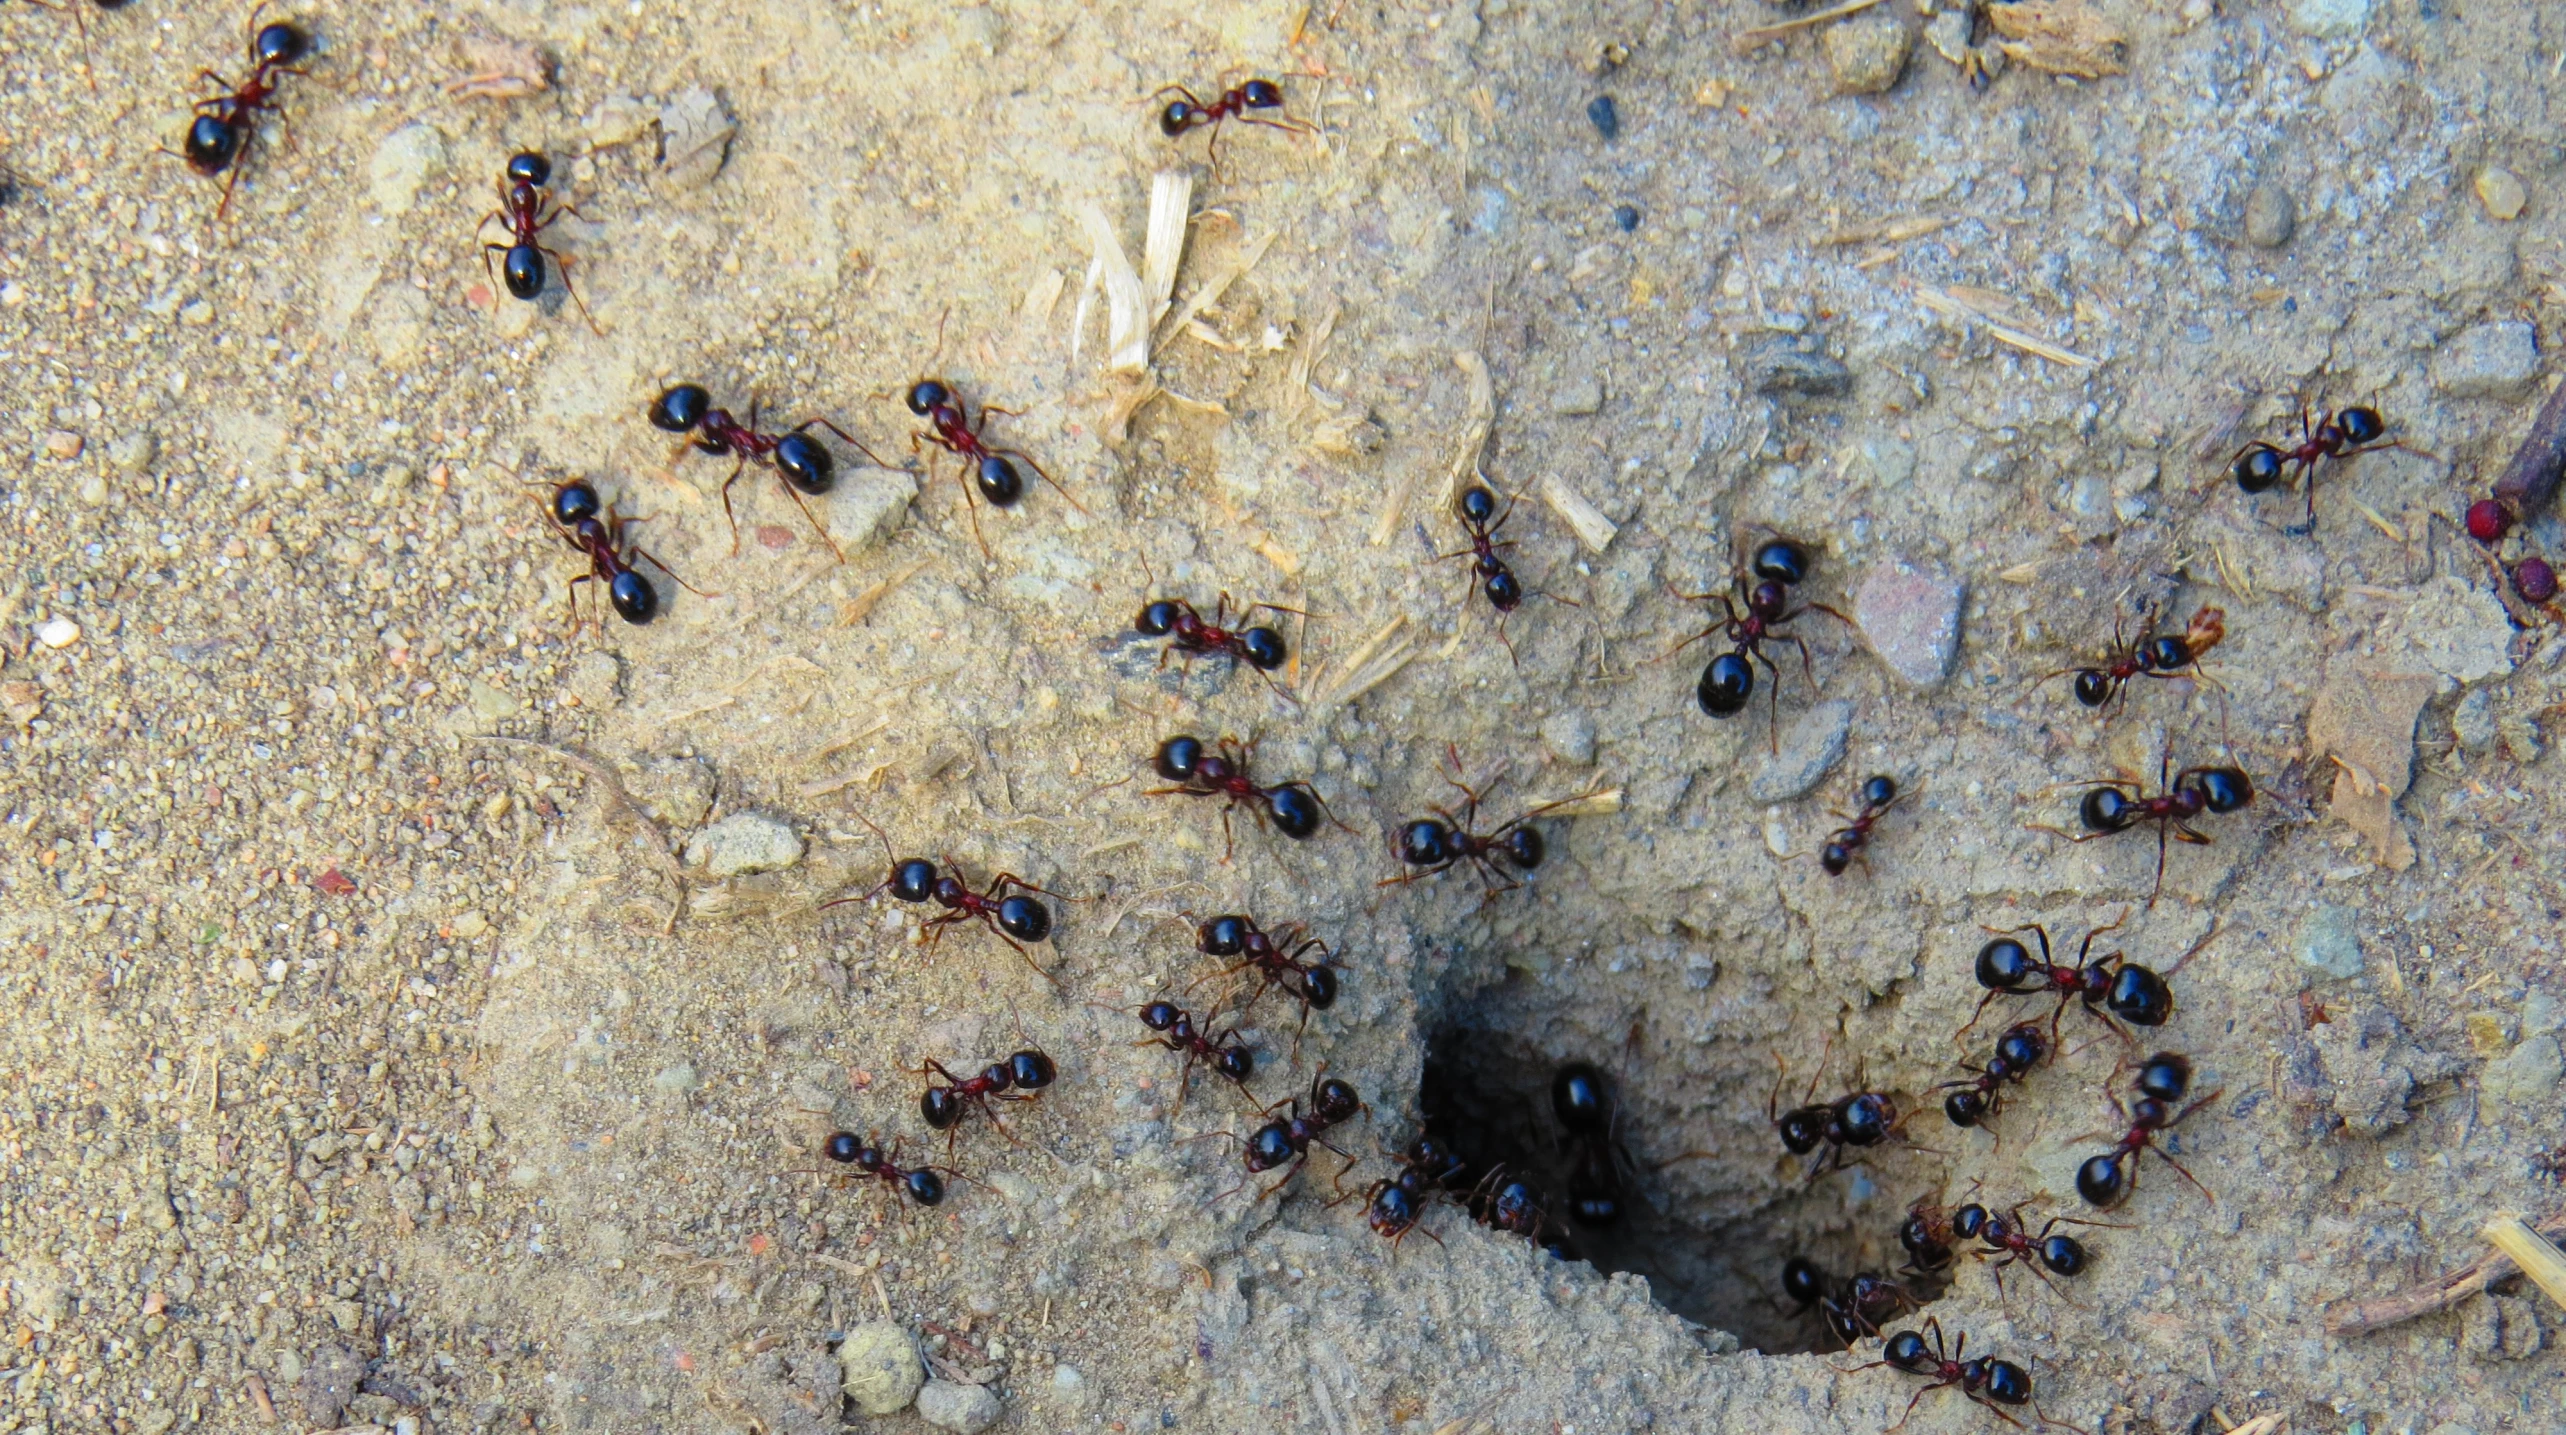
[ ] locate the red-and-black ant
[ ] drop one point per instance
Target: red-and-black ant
(2260, 467)
(1927, 1234)
(1989, 1382)
(2115, 805)
(219, 138)
(2019, 1048)
(1221, 1050)
(1480, 519)
(1844, 845)
(2009, 1239)
(1276, 958)
(522, 201)
(2162, 1081)
(1187, 633)
(1443, 841)
(1015, 917)
(1190, 111)
(2161, 655)
(2109, 984)
(1853, 1309)
(1293, 807)
(804, 465)
(586, 524)
(1287, 1140)
(1393, 1205)
(951, 427)
(1753, 618)
(1856, 1121)
(922, 1184)
(1021, 1077)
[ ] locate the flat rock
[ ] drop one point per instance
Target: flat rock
(1795, 364)
(2526, 1076)
(1570, 736)
(677, 791)
(2488, 361)
(867, 506)
(2454, 630)
(1910, 615)
(2329, 19)
(694, 139)
(1577, 397)
(742, 843)
(1811, 748)
(2501, 192)
(882, 1369)
(2329, 944)
(951, 1405)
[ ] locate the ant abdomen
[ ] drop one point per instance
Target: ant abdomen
(1295, 810)
(2257, 470)
(2063, 1254)
(2093, 687)
(805, 464)
(1579, 1100)
(1505, 593)
(1726, 686)
(522, 269)
(1423, 843)
(283, 44)
(1178, 758)
(1965, 1108)
(2107, 809)
(212, 143)
(2166, 1076)
(2139, 996)
(999, 481)
(941, 1107)
(681, 408)
(1024, 919)
(1031, 1070)
(1318, 987)
(924, 1187)
(2360, 423)
(634, 599)
(1263, 648)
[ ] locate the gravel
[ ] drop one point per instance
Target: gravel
(969, 1409)
(2271, 215)
(1909, 613)
(883, 1372)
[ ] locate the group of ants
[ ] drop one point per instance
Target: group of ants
(1756, 613)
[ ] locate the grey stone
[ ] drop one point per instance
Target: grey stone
(950, 1405)
(2271, 216)
(2526, 1076)
(618, 119)
(742, 843)
(1910, 615)
(694, 139)
(1811, 747)
(2489, 361)
(2469, 255)
(2472, 721)
(1578, 397)
(677, 791)
(1570, 736)
(2371, 1069)
(676, 1081)
(329, 1383)
(882, 1369)
(404, 160)
(1868, 53)
(2329, 19)
(597, 680)
(867, 506)
(2497, 1327)
(132, 453)
(1795, 364)
(2328, 944)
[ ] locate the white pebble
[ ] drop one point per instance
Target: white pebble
(58, 632)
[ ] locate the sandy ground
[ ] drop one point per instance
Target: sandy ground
(383, 1058)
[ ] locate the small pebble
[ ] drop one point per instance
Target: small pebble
(133, 452)
(951, 1405)
(62, 632)
(2329, 19)
(2501, 192)
(742, 843)
(2488, 361)
(1868, 52)
(1627, 216)
(2328, 942)
(2271, 216)
(1608, 120)
(882, 1369)
(63, 443)
(1577, 397)
(1811, 747)
(2526, 1077)
(618, 119)
(1795, 364)
(94, 491)
(2472, 722)
(1910, 615)
(1570, 736)
(2532, 578)
(2488, 521)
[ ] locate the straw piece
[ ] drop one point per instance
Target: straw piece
(1126, 303)
(1171, 194)
(2537, 1258)
(1593, 528)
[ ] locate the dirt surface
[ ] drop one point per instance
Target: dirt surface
(389, 1054)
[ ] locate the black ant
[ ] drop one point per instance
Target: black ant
(2007, 1237)
(1438, 843)
(585, 523)
(1729, 680)
(1293, 807)
(1879, 794)
(2118, 804)
(798, 459)
(1927, 1234)
(1393, 1205)
(224, 126)
(1019, 1078)
(1221, 1050)
(922, 1184)
(1175, 619)
(2260, 467)
(80, 21)
(951, 427)
(1015, 917)
(1287, 1140)
(522, 200)
(2018, 1049)
(1859, 1120)
(2162, 655)
(2162, 1081)
(1583, 1103)
(1477, 509)
(1992, 1383)
(1854, 1309)
(1276, 957)
(1189, 112)
(1511, 1204)
(2110, 983)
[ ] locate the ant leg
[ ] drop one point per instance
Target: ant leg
(566, 286)
(1038, 470)
(849, 439)
(736, 470)
(572, 593)
(814, 520)
(1921, 1392)
(1962, 1039)
(641, 552)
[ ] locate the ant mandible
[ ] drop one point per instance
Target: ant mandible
(587, 525)
(2162, 656)
(2019, 1048)
(2260, 467)
(951, 428)
(1189, 112)
(797, 458)
(1443, 841)
(1845, 845)
(1293, 807)
(1021, 1077)
(2117, 805)
(922, 1184)
(1287, 1140)
(1927, 1234)
(1989, 1382)
(220, 135)
(2162, 1081)
(2109, 984)
(1314, 983)
(1753, 618)
(1013, 916)
(522, 201)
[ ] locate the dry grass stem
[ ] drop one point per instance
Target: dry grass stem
(1593, 528)
(1748, 41)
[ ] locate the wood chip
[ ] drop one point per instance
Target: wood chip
(1171, 197)
(2062, 37)
(1593, 528)
(1888, 231)
(1592, 804)
(1212, 290)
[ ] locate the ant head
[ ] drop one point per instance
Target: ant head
(2004, 1382)
(1781, 561)
(1223, 936)
(1392, 1210)
(1923, 1248)
(1524, 847)
(2005, 965)
(1030, 1070)
(1879, 792)
(1318, 987)
(1270, 1147)
(1476, 505)
(1159, 618)
(1295, 809)
(2107, 809)
(575, 502)
(1425, 842)
(2224, 789)
(1965, 1107)
(279, 44)
(2064, 1255)
(2258, 469)
(2022, 1046)
(842, 1147)
(1236, 1062)
(636, 602)
(212, 143)
(914, 880)
(2165, 1077)
(1726, 685)
(1767, 599)
(1427, 1153)
(529, 168)
(1179, 758)
(1579, 1098)
(1336, 1100)
(1906, 1350)
(1263, 648)
(2361, 423)
(1172, 121)
(1024, 919)
(927, 394)
(1505, 592)
(2139, 997)
(1266, 95)
(681, 408)
(949, 891)
(940, 1106)
(1803, 1127)
(924, 1187)
(2093, 687)
(1802, 1281)
(1159, 1016)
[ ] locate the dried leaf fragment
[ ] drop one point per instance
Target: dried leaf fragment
(497, 68)
(2365, 721)
(2063, 37)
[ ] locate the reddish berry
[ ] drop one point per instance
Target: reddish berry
(2488, 521)
(2535, 580)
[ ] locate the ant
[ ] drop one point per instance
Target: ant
(1293, 807)
(1729, 681)
(1927, 1234)
(1878, 795)
(1583, 1103)
(2020, 1048)
(220, 135)
(2118, 804)
(1393, 1205)
(798, 459)
(1027, 1071)
(1222, 1050)
(1992, 1383)
(1438, 843)
(1015, 917)
(1315, 983)
(2110, 983)
(2162, 1081)
(2161, 656)
(1287, 1140)
(951, 427)
(2259, 466)
(922, 1184)
(1852, 1310)
(585, 523)
(1861, 1119)
(522, 201)
(1477, 509)
(1190, 112)
(1509, 1203)
(2007, 1236)
(1176, 620)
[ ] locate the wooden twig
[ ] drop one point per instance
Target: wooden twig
(2530, 480)
(2350, 1317)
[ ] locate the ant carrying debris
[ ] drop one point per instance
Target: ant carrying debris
(1393, 1205)
(2162, 1081)
(586, 524)
(1021, 1077)
(1438, 843)
(2118, 804)
(1190, 111)
(219, 138)
(1845, 846)
(522, 201)
(1293, 807)
(1511, 1204)
(798, 459)
(2160, 655)
(1013, 916)
(1748, 621)
(2111, 985)
(1992, 1383)
(2260, 467)
(1853, 1122)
